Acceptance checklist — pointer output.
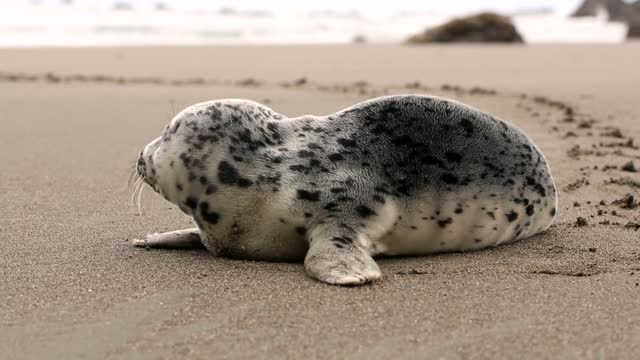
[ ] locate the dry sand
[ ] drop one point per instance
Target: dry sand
(72, 287)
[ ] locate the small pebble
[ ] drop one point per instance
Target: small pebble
(580, 221)
(629, 167)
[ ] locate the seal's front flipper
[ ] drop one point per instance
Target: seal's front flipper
(338, 258)
(188, 239)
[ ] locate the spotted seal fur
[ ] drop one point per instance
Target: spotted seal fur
(395, 175)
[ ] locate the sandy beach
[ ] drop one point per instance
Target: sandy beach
(72, 286)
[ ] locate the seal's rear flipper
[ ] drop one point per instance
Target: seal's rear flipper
(188, 239)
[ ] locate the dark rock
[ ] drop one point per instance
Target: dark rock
(634, 26)
(627, 202)
(580, 221)
(359, 39)
(633, 225)
(122, 6)
(300, 82)
(614, 132)
(618, 10)
(483, 27)
(630, 167)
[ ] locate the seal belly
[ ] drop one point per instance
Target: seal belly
(465, 221)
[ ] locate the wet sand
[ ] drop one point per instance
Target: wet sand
(71, 286)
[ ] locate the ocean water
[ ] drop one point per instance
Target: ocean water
(50, 25)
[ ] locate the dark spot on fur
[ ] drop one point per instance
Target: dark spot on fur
(443, 223)
(211, 189)
(331, 206)
(305, 153)
(530, 210)
(467, 125)
(512, 216)
(338, 190)
(430, 160)
(301, 230)
(346, 142)
(314, 163)
(191, 202)
(186, 159)
(208, 216)
(552, 212)
(452, 156)
(336, 157)
(299, 168)
(365, 211)
(244, 183)
(401, 140)
(449, 179)
(309, 195)
(228, 175)
(379, 129)
(536, 186)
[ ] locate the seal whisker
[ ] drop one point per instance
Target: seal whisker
(139, 199)
(133, 178)
(139, 183)
(133, 191)
(173, 109)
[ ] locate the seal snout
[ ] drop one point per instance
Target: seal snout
(141, 167)
(145, 163)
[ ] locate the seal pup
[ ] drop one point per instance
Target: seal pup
(395, 175)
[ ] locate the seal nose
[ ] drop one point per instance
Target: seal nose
(141, 166)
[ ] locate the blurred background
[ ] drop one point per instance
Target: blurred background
(172, 22)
